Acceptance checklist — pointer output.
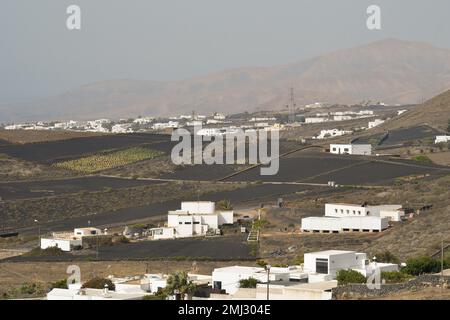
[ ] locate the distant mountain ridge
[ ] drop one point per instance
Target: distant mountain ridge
(392, 71)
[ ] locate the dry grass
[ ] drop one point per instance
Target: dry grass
(31, 136)
(15, 169)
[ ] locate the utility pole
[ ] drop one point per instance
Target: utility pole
(442, 260)
(39, 231)
(267, 267)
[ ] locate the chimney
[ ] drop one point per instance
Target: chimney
(106, 289)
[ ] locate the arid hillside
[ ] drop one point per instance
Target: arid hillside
(391, 71)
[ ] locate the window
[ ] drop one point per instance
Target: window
(322, 266)
(348, 211)
(335, 210)
(197, 222)
(187, 222)
(354, 212)
(217, 285)
(180, 222)
(334, 149)
(342, 210)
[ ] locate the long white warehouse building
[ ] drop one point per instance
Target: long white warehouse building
(341, 217)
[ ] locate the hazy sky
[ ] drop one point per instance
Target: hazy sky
(177, 39)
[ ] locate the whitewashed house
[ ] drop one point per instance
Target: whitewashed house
(331, 133)
(195, 218)
(442, 139)
(354, 149)
(375, 123)
(67, 241)
(324, 265)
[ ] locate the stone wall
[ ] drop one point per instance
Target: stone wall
(361, 290)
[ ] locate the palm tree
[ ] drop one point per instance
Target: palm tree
(178, 282)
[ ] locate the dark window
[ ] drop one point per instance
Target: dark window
(197, 222)
(322, 266)
(217, 285)
(187, 222)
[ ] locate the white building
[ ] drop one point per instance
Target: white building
(165, 125)
(314, 280)
(68, 241)
(121, 128)
(331, 133)
(342, 117)
(196, 218)
(92, 294)
(64, 243)
(227, 278)
(355, 149)
(145, 120)
(324, 265)
(315, 120)
(442, 139)
(353, 218)
(376, 122)
(219, 116)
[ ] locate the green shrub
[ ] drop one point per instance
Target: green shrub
(248, 283)
(34, 289)
(422, 265)
(421, 158)
(60, 284)
(394, 276)
(51, 251)
(349, 276)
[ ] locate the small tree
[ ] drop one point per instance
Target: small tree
(261, 263)
(224, 205)
(99, 283)
(248, 283)
(179, 282)
(349, 276)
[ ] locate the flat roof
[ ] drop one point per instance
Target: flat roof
(239, 269)
(346, 204)
(331, 252)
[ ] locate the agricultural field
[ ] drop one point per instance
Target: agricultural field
(33, 136)
(232, 247)
(108, 160)
(104, 207)
(55, 187)
(49, 152)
